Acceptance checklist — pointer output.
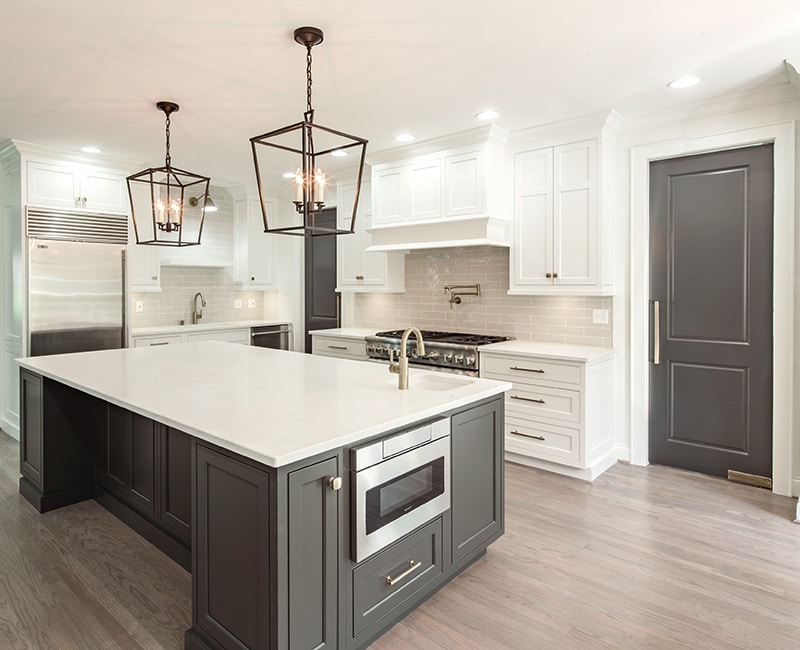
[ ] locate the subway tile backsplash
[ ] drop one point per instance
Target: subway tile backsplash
(559, 319)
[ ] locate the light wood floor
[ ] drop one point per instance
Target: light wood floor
(642, 558)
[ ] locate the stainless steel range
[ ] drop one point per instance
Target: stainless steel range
(451, 351)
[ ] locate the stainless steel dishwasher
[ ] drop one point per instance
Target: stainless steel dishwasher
(278, 337)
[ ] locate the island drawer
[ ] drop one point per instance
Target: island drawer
(530, 369)
(531, 400)
(549, 442)
(341, 348)
(409, 565)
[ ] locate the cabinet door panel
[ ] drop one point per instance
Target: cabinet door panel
(313, 560)
(51, 185)
(103, 191)
(389, 203)
(142, 471)
(425, 183)
(464, 186)
(32, 427)
(175, 508)
(533, 191)
(259, 244)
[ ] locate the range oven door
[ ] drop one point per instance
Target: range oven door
(406, 487)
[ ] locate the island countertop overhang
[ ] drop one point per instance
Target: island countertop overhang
(273, 406)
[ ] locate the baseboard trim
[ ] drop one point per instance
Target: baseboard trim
(623, 453)
(589, 474)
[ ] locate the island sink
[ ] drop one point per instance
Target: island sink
(256, 498)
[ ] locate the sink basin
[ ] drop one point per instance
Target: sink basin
(434, 381)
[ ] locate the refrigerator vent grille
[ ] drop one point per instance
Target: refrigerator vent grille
(76, 225)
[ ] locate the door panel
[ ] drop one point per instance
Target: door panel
(711, 273)
(321, 299)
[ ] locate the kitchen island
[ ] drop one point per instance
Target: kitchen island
(239, 463)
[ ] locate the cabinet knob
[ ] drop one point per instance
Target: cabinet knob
(335, 482)
(155, 277)
(359, 277)
(555, 275)
(252, 278)
(548, 275)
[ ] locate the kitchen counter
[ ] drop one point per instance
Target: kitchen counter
(346, 332)
(272, 406)
(565, 352)
(202, 327)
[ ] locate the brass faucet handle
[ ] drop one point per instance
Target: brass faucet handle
(394, 366)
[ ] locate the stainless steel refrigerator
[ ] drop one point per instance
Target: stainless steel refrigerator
(76, 296)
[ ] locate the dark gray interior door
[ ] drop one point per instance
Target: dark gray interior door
(322, 301)
(711, 284)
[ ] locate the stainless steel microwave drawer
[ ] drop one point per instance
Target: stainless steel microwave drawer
(394, 575)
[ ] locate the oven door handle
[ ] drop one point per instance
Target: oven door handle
(412, 566)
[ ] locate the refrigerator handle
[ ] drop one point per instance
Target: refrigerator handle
(124, 257)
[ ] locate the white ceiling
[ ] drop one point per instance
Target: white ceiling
(90, 71)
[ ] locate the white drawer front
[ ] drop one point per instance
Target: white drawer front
(534, 401)
(548, 442)
(530, 369)
(145, 341)
(340, 348)
(231, 336)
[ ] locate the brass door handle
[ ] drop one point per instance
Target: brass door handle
(412, 566)
(528, 399)
(656, 333)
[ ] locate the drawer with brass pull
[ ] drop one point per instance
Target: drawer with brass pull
(340, 347)
(549, 442)
(531, 369)
(530, 400)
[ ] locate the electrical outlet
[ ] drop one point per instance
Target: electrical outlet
(251, 303)
(237, 304)
(139, 306)
(600, 316)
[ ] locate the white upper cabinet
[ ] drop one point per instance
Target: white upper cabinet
(357, 269)
(563, 218)
(143, 265)
(253, 248)
(52, 184)
(446, 192)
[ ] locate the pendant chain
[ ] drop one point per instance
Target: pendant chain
(168, 158)
(308, 78)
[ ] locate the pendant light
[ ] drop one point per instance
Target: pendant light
(306, 152)
(168, 204)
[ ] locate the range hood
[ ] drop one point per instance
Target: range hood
(447, 192)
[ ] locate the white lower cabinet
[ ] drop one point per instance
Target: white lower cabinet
(231, 335)
(153, 340)
(559, 415)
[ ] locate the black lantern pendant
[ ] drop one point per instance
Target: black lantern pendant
(168, 204)
(306, 153)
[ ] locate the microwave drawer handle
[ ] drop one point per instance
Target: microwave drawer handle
(539, 370)
(528, 399)
(412, 566)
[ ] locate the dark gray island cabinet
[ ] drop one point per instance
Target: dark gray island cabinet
(271, 547)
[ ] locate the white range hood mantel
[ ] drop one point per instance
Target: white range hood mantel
(447, 192)
(442, 233)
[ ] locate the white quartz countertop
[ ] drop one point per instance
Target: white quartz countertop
(585, 353)
(203, 327)
(273, 406)
(346, 332)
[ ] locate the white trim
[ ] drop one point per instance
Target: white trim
(783, 136)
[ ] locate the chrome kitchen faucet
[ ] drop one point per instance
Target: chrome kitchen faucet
(197, 315)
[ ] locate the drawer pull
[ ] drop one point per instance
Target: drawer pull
(412, 566)
(359, 277)
(337, 347)
(527, 435)
(162, 343)
(539, 370)
(528, 399)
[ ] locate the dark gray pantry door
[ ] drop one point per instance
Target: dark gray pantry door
(321, 299)
(711, 282)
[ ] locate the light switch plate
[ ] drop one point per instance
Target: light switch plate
(251, 303)
(237, 304)
(600, 316)
(139, 306)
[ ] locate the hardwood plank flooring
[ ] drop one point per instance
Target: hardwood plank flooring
(645, 557)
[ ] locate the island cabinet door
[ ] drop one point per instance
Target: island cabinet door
(313, 515)
(175, 494)
(233, 603)
(477, 478)
(126, 456)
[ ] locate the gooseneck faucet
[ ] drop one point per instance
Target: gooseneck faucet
(401, 367)
(197, 315)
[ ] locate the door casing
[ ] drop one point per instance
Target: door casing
(782, 135)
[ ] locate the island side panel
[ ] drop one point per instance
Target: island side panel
(58, 426)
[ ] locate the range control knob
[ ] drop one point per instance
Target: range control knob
(448, 357)
(433, 356)
(459, 359)
(470, 360)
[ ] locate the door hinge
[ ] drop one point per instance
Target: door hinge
(750, 479)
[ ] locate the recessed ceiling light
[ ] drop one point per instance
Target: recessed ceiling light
(290, 174)
(90, 150)
(683, 82)
(339, 153)
(404, 137)
(488, 115)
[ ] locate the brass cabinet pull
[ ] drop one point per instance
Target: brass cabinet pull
(337, 347)
(162, 343)
(555, 275)
(359, 277)
(539, 370)
(528, 399)
(656, 333)
(548, 275)
(412, 566)
(335, 482)
(527, 435)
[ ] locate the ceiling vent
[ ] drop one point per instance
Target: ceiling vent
(76, 225)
